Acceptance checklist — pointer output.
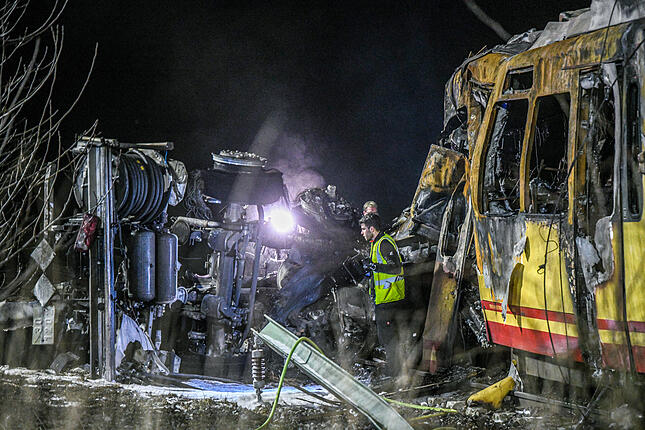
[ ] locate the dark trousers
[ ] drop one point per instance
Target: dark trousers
(391, 327)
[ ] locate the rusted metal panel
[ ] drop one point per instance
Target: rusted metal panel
(439, 318)
(442, 172)
(444, 295)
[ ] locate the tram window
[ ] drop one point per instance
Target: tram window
(500, 191)
(596, 138)
(601, 163)
(518, 80)
(633, 148)
(548, 155)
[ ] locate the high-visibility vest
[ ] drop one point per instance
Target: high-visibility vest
(387, 287)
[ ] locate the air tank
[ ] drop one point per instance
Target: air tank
(142, 266)
(167, 268)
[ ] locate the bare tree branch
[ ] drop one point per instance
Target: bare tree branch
(29, 143)
(490, 22)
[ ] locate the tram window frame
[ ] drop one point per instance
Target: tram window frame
(552, 115)
(518, 81)
(596, 198)
(498, 164)
(633, 192)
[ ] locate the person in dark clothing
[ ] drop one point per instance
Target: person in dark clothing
(370, 207)
(387, 289)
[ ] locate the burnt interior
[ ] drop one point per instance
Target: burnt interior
(548, 155)
(518, 80)
(596, 140)
(632, 149)
(501, 190)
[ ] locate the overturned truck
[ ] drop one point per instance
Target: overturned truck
(157, 270)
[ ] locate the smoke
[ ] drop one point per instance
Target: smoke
(295, 155)
(297, 159)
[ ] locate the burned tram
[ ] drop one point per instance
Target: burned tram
(550, 129)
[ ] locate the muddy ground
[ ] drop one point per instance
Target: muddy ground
(45, 400)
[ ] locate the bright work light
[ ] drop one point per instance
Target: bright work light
(281, 220)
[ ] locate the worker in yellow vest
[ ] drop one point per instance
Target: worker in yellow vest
(387, 289)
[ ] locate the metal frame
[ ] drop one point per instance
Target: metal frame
(100, 201)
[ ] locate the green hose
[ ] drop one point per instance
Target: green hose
(311, 342)
(425, 417)
(284, 372)
(424, 408)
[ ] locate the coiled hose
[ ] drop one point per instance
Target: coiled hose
(141, 192)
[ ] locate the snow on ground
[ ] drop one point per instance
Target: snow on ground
(241, 394)
(44, 400)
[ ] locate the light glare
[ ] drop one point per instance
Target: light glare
(281, 220)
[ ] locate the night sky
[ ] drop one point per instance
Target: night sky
(352, 94)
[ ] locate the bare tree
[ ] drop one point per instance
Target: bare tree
(490, 22)
(30, 147)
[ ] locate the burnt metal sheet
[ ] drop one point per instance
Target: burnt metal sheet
(437, 342)
(440, 309)
(502, 241)
(332, 377)
(442, 171)
(597, 251)
(601, 14)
